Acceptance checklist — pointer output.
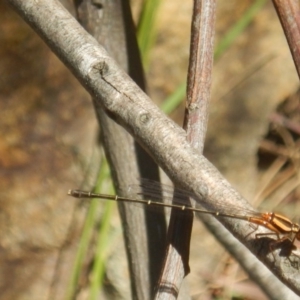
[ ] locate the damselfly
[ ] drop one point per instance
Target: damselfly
(277, 223)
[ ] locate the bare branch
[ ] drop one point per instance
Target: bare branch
(200, 72)
(114, 91)
(289, 15)
(144, 233)
(198, 95)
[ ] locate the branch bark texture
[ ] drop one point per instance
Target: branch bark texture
(111, 24)
(119, 96)
(289, 15)
(195, 124)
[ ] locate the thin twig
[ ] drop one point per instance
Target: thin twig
(198, 94)
(283, 121)
(289, 15)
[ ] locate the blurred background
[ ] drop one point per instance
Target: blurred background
(50, 143)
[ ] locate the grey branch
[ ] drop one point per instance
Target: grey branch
(119, 96)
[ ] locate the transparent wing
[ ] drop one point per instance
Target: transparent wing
(155, 191)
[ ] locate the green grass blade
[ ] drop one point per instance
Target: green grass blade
(86, 234)
(238, 28)
(174, 99)
(103, 245)
(146, 31)
(180, 93)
